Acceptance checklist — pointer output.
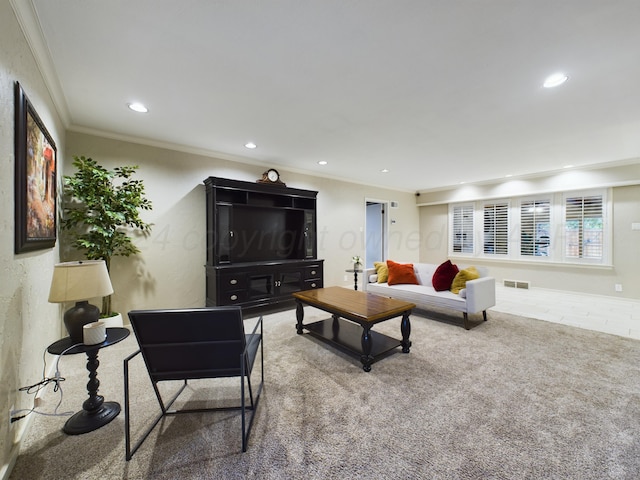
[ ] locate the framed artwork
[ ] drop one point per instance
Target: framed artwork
(35, 182)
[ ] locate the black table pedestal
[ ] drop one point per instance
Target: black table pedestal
(87, 421)
(95, 411)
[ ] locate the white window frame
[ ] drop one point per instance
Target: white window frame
(506, 205)
(454, 223)
(537, 246)
(557, 212)
(607, 231)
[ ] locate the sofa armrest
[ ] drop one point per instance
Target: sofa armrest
(481, 294)
(365, 277)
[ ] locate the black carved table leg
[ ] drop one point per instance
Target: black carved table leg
(367, 342)
(299, 316)
(335, 327)
(405, 328)
(95, 411)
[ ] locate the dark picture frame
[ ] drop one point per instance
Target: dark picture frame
(35, 180)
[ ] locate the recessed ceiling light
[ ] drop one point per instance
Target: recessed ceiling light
(138, 107)
(555, 80)
(568, 166)
(508, 175)
(385, 170)
(322, 162)
(250, 145)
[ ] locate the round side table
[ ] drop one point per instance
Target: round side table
(95, 411)
(355, 272)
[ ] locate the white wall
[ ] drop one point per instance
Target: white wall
(25, 278)
(170, 272)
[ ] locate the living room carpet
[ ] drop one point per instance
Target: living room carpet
(513, 398)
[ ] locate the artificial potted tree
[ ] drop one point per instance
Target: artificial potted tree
(101, 210)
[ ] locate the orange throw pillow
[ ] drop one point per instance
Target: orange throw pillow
(401, 273)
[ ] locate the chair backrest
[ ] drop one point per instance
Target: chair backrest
(179, 344)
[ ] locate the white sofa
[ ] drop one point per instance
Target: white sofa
(478, 296)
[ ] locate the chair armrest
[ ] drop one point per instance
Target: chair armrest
(481, 294)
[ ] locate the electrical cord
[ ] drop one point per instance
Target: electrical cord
(36, 387)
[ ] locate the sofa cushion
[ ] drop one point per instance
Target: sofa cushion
(461, 278)
(422, 296)
(401, 273)
(443, 276)
(424, 273)
(382, 271)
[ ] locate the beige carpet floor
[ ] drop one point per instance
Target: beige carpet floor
(513, 398)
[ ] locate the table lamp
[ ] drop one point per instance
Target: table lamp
(78, 282)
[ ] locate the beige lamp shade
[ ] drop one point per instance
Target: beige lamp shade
(82, 280)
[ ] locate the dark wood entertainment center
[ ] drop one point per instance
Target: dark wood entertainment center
(261, 243)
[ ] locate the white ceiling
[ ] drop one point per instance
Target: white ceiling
(437, 91)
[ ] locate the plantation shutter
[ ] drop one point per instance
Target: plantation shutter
(496, 229)
(462, 230)
(535, 228)
(584, 227)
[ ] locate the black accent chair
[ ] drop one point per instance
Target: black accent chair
(187, 344)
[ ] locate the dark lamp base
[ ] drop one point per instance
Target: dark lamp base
(77, 317)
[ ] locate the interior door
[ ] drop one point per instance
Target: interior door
(376, 233)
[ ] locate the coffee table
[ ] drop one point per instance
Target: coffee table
(363, 310)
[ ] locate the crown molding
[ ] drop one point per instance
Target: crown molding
(31, 28)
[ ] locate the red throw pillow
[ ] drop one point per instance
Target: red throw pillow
(401, 273)
(443, 276)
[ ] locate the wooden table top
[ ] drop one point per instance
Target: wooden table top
(353, 304)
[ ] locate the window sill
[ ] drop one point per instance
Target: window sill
(538, 262)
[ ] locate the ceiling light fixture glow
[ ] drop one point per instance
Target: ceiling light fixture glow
(250, 145)
(322, 162)
(385, 170)
(555, 80)
(137, 107)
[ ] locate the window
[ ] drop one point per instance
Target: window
(462, 229)
(553, 227)
(496, 229)
(535, 226)
(584, 227)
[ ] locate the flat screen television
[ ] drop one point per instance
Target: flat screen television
(263, 234)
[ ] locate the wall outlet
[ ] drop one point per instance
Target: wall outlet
(346, 278)
(618, 287)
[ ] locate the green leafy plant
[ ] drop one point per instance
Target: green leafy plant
(101, 209)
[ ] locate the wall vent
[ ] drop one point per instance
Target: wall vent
(517, 284)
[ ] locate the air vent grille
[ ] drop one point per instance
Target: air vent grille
(517, 284)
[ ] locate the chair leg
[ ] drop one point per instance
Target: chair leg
(466, 321)
(129, 451)
(242, 404)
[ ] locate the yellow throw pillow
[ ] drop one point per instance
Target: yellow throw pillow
(461, 278)
(382, 270)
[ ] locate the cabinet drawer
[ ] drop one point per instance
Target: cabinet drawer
(311, 284)
(233, 297)
(314, 271)
(232, 282)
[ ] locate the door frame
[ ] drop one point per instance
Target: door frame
(385, 229)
